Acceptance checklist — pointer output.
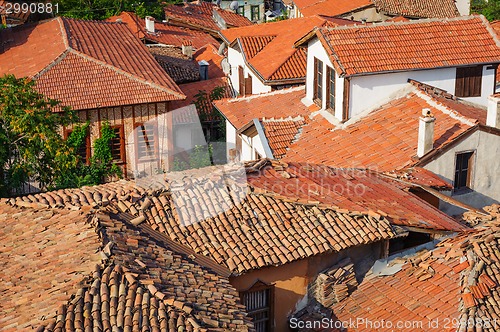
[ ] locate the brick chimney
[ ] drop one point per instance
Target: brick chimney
(187, 48)
(493, 115)
(150, 24)
(425, 132)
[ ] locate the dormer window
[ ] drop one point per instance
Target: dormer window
(318, 81)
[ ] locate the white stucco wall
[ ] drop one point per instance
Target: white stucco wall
(249, 146)
(485, 180)
(316, 50)
(370, 90)
(235, 59)
(463, 6)
(230, 137)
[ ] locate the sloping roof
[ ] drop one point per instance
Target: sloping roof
(281, 133)
(386, 138)
(165, 33)
(86, 64)
(64, 268)
(268, 47)
(457, 281)
(330, 7)
(199, 15)
(496, 27)
(402, 46)
(191, 90)
(279, 104)
(210, 54)
(352, 189)
(418, 8)
(266, 226)
(181, 68)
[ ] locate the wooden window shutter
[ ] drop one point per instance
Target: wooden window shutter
(468, 81)
(315, 81)
(241, 81)
(248, 85)
(345, 106)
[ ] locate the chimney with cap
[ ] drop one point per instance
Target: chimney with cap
(203, 70)
(493, 115)
(425, 132)
(150, 24)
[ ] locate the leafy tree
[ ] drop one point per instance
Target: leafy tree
(212, 121)
(101, 164)
(31, 148)
(489, 8)
(102, 9)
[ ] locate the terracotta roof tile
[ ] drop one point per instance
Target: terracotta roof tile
(432, 286)
(280, 104)
(199, 15)
(353, 190)
(330, 7)
(65, 53)
(165, 33)
(141, 279)
(209, 53)
(275, 41)
(418, 8)
(178, 66)
(434, 43)
(361, 144)
(281, 133)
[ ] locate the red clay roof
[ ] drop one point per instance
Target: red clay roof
(199, 15)
(279, 104)
(353, 190)
(165, 33)
(457, 281)
(330, 7)
(268, 48)
(86, 64)
(210, 54)
(401, 46)
(418, 8)
(385, 139)
(260, 230)
(281, 133)
(57, 263)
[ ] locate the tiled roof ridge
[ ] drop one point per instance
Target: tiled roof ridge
(56, 61)
(314, 3)
(263, 95)
(443, 108)
(411, 22)
(131, 76)
(337, 63)
(288, 118)
(96, 219)
(295, 53)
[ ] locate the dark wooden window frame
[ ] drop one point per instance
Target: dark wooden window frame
(241, 81)
(463, 173)
(252, 14)
(139, 128)
(261, 286)
(468, 81)
(121, 138)
(87, 147)
(318, 82)
(330, 89)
